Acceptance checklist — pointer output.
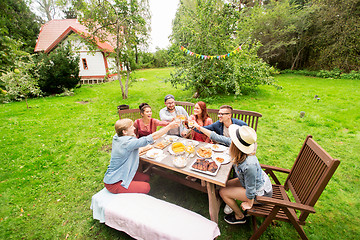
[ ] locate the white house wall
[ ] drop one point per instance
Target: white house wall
(95, 64)
(94, 58)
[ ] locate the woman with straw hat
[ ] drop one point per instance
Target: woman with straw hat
(251, 180)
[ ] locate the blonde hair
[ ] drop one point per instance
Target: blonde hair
(236, 154)
(122, 125)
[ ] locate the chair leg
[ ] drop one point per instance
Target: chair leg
(265, 224)
(296, 225)
(255, 227)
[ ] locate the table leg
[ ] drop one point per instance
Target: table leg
(214, 202)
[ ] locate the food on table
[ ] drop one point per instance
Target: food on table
(215, 147)
(201, 164)
(212, 167)
(154, 155)
(162, 144)
(142, 150)
(178, 147)
(205, 165)
(204, 152)
(219, 159)
(179, 161)
(190, 149)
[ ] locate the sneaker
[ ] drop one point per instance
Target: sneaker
(228, 210)
(230, 219)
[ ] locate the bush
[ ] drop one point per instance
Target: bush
(59, 70)
(336, 73)
(351, 75)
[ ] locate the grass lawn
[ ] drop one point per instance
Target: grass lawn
(55, 154)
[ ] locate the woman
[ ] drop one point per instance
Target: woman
(146, 125)
(251, 180)
(201, 117)
(121, 175)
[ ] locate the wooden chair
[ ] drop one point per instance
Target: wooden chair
(133, 114)
(250, 117)
(189, 107)
(306, 180)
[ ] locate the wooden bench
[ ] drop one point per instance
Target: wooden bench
(145, 217)
(251, 118)
(306, 180)
(188, 106)
(133, 114)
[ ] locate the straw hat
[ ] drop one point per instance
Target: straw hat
(243, 137)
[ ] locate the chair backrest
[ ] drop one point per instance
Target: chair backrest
(250, 117)
(310, 174)
(213, 113)
(189, 107)
(133, 114)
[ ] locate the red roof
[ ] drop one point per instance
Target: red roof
(55, 31)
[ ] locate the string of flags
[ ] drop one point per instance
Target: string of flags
(188, 52)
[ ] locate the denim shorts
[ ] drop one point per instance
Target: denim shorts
(265, 194)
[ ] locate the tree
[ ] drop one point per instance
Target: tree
(336, 35)
(22, 81)
(210, 28)
(19, 23)
(58, 70)
(124, 19)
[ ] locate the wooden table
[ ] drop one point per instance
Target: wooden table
(208, 182)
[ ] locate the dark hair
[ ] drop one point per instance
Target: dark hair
(204, 114)
(143, 106)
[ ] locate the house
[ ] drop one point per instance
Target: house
(95, 62)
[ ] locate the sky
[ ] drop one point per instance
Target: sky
(162, 15)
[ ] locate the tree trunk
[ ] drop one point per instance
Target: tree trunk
(124, 96)
(296, 59)
(27, 106)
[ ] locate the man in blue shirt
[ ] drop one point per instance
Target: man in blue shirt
(221, 126)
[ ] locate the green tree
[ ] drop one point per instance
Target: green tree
(336, 35)
(127, 20)
(19, 23)
(22, 81)
(10, 51)
(58, 70)
(211, 28)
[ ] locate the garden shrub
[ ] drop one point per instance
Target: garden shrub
(58, 70)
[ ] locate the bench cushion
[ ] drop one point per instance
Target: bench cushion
(145, 217)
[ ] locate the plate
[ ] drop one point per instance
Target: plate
(206, 172)
(153, 153)
(180, 161)
(173, 153)
(223, 156)
(187, 142)
(171, 138)
(197, 153)
(218, 148)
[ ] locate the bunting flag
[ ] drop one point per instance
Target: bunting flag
(205, 57)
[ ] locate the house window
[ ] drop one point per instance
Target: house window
(84, 63)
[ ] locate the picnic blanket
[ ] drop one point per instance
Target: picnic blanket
(145, 217)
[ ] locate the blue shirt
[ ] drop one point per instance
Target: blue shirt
(250, 175)
(124, 160)
(220, 139)
(218, 126)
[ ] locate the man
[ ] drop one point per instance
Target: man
(170, 112)
(221, 126)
